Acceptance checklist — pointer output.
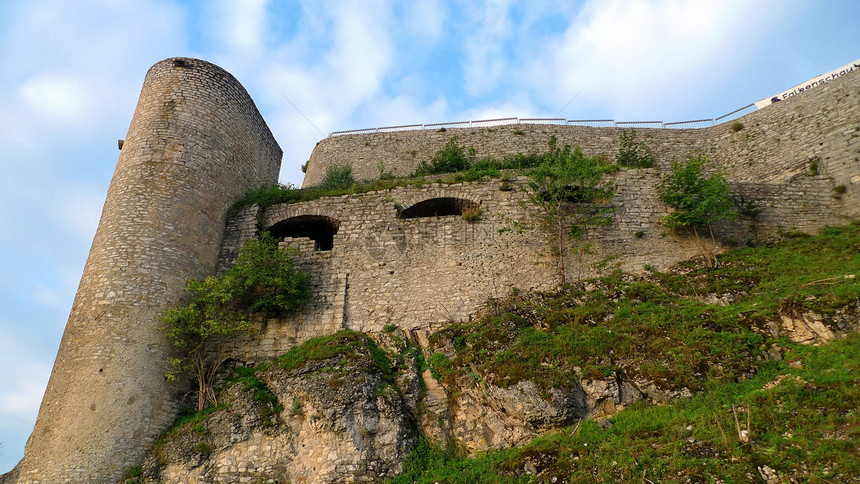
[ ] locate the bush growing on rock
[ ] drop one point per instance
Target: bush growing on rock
(263, 279)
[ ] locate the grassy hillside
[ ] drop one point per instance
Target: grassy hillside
(764, 406)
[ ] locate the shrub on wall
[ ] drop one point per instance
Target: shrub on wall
(472, 214)
(263, 279)
(632, 154)
(449, 159)
(455, 158)
(699, 201)
(338, 177)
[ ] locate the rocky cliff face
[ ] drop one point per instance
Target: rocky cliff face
(349, 418)
(352, 412)
(324, 419)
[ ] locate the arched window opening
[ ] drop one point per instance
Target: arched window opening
(319, 228)
(438, 207)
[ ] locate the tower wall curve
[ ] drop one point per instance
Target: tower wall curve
(196, 143)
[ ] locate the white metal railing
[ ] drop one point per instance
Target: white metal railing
(594, 123)
(639, 124)
(735, 114)
(543, 121)
(696, 123)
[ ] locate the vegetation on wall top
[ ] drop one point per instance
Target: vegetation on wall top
(568, 190)
(338, 177)
(460, 164)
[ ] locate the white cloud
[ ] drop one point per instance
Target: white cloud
(57, 97)
(24, 399)
(362, 51)
(403, 109)
(47, 296)
(517, 107)
(343, 74)
(332, 84)
(634, 57)
(24, 378)
(72, 70)
(485, 61)
(81, 212)
(241, 26)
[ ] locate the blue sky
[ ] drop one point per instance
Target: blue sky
(71, 71)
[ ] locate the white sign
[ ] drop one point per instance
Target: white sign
(815, 81)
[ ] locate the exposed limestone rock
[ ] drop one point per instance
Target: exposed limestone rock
(810, 327)
(482, 416)
(769, 475)
(339, 420)
(806, 328)
(489, 416)
(355, 423)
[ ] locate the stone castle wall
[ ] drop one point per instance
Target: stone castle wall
(776, 143)
(196, 143)
(419, 273)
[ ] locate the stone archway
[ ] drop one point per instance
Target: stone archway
(319, 228)
(438, 207)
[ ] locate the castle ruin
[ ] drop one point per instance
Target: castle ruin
(402, 257)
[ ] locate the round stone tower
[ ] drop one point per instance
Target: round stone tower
(196, 143)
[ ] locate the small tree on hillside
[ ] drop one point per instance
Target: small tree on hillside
(263, 279)
(567, 189)
(699, 201)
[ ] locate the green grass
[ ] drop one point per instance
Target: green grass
(632, 328)
(345, 344)
(805, 427)
(809, 271)
(802, 410)
(658, 328)
(188, 417)
(429, 463)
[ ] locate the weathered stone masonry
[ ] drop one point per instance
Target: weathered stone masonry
(196, 143)
(775, 146)
(419, 273)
